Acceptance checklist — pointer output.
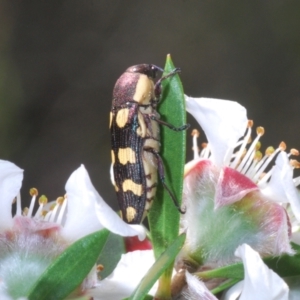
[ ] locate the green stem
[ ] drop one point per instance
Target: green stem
(235, 271)
(225, 285)
(164, 285)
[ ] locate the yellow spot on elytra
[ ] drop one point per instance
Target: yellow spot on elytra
(113, 157)
(122, 117)
(126, 155)
(110, 119)
(142, 129)
(129, 185)
(144, 90)
(130, 213)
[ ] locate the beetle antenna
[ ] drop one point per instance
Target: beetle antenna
(158, 68)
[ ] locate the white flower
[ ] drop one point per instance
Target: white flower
(259, 281)
(87, 212)
(29, 243)
(229, 197)
(196, 289)
(132, 267)
(224, 123)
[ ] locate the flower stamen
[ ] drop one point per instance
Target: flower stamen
(195, 134)
(260, 132)
(42, 202)
(62, 210)
(205, 151)
(57, 207)
(33, 193)
(294, 152)
(270, 154)
(25, 211)
(242, 149)
(19, 208)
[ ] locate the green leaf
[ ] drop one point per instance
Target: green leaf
(111, 254)
(68, 271)
(224, 286)
(161, 264)
(164, 216)
(284, 265)
(235, 271)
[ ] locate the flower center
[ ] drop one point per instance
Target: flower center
(246, 156)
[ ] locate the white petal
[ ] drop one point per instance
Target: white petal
(223, 122)
(281, 187)
(11, 178)
(234, 292)
(260, 282)
(87, 212)
(196, 289)
(132, 267)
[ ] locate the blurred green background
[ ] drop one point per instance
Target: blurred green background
(59, 61)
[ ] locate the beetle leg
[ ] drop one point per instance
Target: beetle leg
(161, 172)
(172, 127)
(157, 86)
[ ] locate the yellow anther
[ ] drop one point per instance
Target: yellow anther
(260, 131)
(195, 132)
(33, 192)
(258, 156)
(282, 146)
(294, 151)
(25, 211)
(43, 200)
(294, 163)
(44, 213)
(250, 123)
(204, 145)
(100, 268)
(269, 150)
(258, 145)
(52, 206)
(60, 200)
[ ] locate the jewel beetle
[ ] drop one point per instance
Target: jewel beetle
(135, 140)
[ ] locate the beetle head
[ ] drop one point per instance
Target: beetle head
(147, 69)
